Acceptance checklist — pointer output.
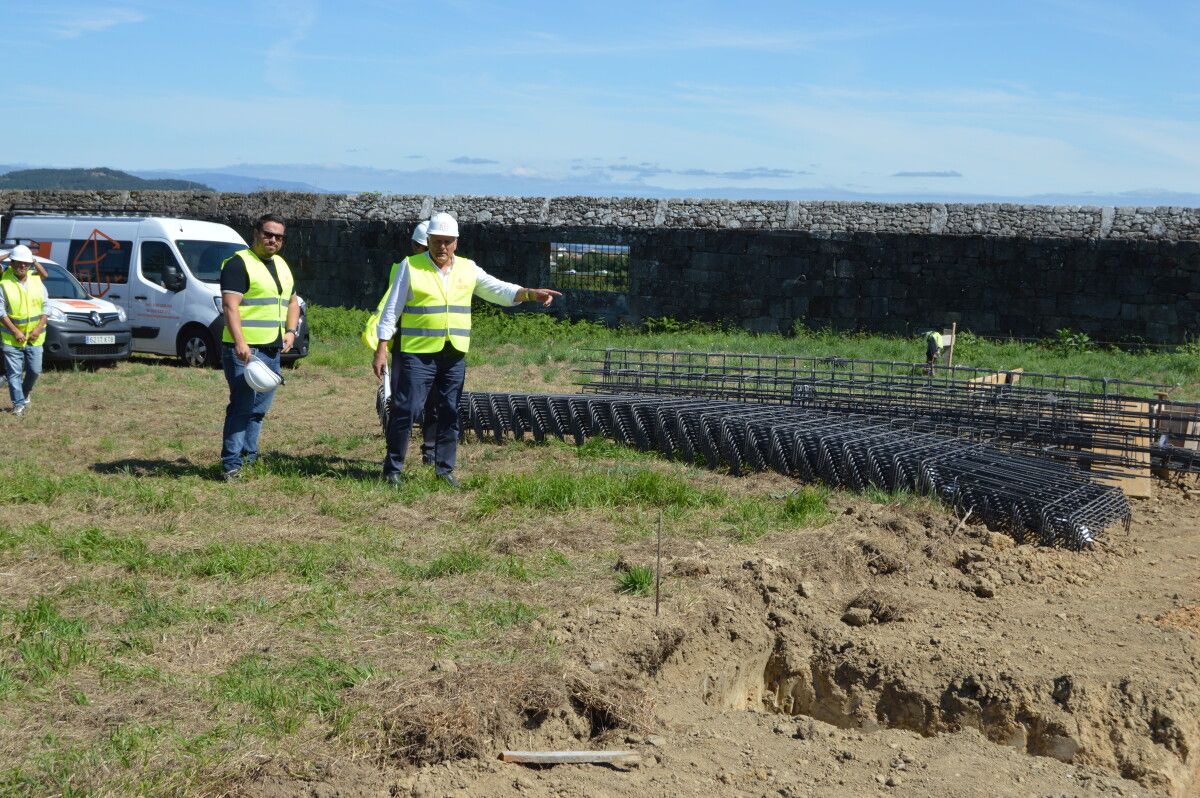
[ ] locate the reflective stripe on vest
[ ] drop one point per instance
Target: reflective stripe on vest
(263, 309)
(25, 305)
(437, 313)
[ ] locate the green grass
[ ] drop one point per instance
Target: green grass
(453, 562)
(555, 490)
(751, 519)
(638, 580)
(281, 695)
(901, 498)
(468, 621)
(84, 491)
(38, 643)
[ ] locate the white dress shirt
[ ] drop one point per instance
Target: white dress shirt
(487, 288)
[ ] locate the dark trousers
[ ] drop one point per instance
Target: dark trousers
(246, 409)
(429, 430)
(414, 379)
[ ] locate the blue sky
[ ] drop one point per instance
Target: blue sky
(1010, 98)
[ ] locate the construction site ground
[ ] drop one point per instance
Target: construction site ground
(312, 632)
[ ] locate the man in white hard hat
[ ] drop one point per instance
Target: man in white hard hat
(22, 326)
(262, 312)
(6, 254)
(428, 420)
(428, 311)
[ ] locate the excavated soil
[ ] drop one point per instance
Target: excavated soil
(895, 651)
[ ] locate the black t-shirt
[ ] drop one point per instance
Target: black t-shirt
(234, 277)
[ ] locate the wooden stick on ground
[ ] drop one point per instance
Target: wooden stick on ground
(571, 757)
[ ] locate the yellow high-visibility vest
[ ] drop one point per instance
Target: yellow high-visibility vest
(369, 337)
(264, 308)
(25, 306)
(437, 314)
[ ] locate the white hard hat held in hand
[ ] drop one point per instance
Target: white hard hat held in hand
(260, 377)
(22, 254)
(443, 224)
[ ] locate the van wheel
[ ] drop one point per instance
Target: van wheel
(197, 348)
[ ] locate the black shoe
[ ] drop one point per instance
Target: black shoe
(232, 475)
(450, 480)
(395, 479)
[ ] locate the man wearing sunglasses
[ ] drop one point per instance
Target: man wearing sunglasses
(262, 314)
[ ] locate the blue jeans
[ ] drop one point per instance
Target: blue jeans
(414, 379)
(246, 410)
(24, 364)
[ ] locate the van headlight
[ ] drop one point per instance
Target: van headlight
(121, 316)
(217, 302)
(54, 314)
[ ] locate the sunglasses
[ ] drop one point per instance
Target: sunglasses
(279, 236)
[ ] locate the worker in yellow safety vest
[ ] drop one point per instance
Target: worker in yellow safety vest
(933, 347)
(262, 314)
(22, 326)
(383, 396)
(427, 319)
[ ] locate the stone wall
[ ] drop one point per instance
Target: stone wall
(1115, 273)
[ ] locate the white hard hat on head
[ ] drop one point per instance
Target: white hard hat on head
(21, 253)
(260, 377)
(443, 224)
(420, 235)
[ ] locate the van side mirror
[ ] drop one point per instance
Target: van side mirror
(173, 279)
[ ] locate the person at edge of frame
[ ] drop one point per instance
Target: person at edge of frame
(22, 326)
(262, 314)
(428, 311)
(428, 419)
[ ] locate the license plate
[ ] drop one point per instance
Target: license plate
(99, 339)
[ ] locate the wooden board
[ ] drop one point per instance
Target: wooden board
(571, 757)
(999, 378)
(1134, 480)
(1183, 428)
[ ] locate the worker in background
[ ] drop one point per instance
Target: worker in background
(933, 349)
(22, 326)
(383, 397)
(428, 310)
(262, 314)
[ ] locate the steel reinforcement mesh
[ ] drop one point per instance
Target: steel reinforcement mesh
(1032, 499)
(1085, 420)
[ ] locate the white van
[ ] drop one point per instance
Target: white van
(164, 272)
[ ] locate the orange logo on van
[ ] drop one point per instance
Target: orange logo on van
(90, 255)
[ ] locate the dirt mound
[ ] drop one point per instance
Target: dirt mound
(896, 649)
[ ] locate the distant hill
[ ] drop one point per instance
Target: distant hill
(234, 182)
(99, 178)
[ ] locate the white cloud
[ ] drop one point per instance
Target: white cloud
(296, 19)
(71, 23)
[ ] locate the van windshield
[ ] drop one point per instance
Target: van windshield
(204, 258)
(61, 285)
